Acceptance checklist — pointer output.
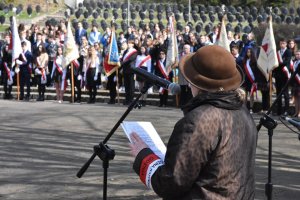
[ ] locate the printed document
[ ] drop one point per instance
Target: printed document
(148, 134)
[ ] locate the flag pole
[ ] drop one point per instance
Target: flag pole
(72, 80)
(18, 83)
(117, 77)
(271, 86)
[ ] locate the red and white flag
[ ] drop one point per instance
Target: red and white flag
(222, 38)
(267, 59)
(15, 42)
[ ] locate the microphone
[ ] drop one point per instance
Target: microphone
(293, 122)
(172, 87)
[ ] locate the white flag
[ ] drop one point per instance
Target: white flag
(172, 53)
(15, 43)
(222, 38)
(70, 48)
(267, 59)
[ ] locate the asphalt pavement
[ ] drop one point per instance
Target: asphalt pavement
(44, 144)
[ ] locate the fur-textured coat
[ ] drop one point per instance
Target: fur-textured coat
(210, 154)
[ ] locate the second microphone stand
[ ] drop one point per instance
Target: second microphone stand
(271, 124)
(103, 151)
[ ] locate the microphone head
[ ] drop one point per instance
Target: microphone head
(174, 88)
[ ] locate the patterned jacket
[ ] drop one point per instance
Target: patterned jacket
(210, 154)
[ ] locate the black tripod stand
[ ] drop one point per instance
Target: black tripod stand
(103, 151)
(271, 124)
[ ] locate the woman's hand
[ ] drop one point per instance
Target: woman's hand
(137, 144)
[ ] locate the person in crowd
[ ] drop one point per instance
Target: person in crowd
(251, 73)
(34, 35)
(24, 62)
(52, 53)
(235, 53)
(208, 155)
(185, 90)
(58, 74)
(99, 54)
(281, 75)
(213, 35)
(128, 61)
(143, 61)
(237, 41)
(79, 32)
(129, 35)
(248, 42)
(291, 44)
(7, 74)
(94, 36)
(41, 71)
(91, 69)
(35, 49)
(121, 39)
(164, 72)
(296, 84)
(186, 34)
(194, 46)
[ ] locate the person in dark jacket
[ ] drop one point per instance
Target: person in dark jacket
(211, 152)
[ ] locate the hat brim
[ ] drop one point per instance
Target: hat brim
(189, 72)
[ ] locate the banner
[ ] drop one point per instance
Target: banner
(267, 59)
(70, 48)
(222, 38)
(112, 60)
(15, 42)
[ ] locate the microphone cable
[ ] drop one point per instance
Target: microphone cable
(281, 118)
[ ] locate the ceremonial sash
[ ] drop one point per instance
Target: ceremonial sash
(144, 60)
(58, 67)
(7, 70)
(251, 77)
(163, 71)
(129, 54)
(284, 69)
(75, 63)
(42, 70)
(294, 67)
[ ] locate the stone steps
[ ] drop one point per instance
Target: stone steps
(102, 95)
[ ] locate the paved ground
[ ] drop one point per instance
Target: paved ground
(44, 144)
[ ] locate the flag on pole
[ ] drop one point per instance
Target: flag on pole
(222, 38)
(172, 53)
(70, 48)
(111, 60)
(267, 59)
(15, 42)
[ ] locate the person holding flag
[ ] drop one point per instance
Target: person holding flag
(128, 61)
(70, 56)
(111, 62)
(267, 61)
(281, 75)
(24, 64)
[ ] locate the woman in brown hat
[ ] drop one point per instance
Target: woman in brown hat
(211, 152)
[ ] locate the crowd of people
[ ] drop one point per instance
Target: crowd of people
(40, 63)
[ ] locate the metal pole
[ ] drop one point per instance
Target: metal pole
(128, 12)
(189, 10)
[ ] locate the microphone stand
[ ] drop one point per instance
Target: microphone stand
(271, 124)
(103, 151)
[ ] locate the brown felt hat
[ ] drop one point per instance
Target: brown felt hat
(212, 68)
